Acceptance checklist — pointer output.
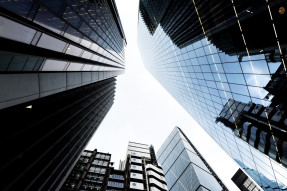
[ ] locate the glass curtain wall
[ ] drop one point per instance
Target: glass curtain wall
(225, 63)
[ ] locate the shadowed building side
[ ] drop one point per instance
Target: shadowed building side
(58, 65)
(43, 138)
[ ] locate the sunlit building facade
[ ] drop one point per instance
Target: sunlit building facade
(58, 63)
(142, 169)
(217, 57)
(139, 171)
(184, 167)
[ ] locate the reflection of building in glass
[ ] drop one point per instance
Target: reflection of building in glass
(277, 88)
(251, 122)
(58, 61)
(206, 53)
(227, 35)
(93, 172)
(218, 20)
(184, 167)
(177, 23)
(141, 168)
(152, 12)
(243, 182)
(267, 184)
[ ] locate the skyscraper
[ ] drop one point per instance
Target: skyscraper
(62, 42)
(209, 55)
(139, 171)
(184, 167)
(58, 63)
(93, 171)
(141, 168)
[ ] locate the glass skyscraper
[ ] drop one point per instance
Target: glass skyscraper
(184, 167)
(58, 63)
(53, 46)
(225, 63)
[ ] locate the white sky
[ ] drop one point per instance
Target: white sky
(145, 112)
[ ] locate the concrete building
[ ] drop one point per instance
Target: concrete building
(94, 171)
(142, 169)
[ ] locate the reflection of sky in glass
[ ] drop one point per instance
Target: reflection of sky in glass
(180, 162)
(202, 78)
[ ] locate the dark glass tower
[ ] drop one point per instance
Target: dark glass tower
(184, 167)
(58, 63)
(42, 142)
(53, 46)
(215, 60)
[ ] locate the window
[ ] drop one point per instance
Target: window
(103, 171)
(103, 156)
(84, 160)
(117, 176)
(90, 186)
(97, 170)
(80, 166)
(116, 184)
(48, 20)
(95, 177)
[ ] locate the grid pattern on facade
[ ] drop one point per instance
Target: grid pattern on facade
(87, 175)
(183, 167)
(142, 169)
(80, 31)
(45, 140)
(244, 182)
(203, 75)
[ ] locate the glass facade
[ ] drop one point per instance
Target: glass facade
(84, 34)
(59, 36)
(116, 180)
(58, 63)
(43, 141)
(244, 182)
(224, 62)
(183, 166)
